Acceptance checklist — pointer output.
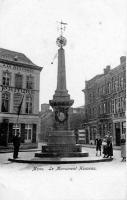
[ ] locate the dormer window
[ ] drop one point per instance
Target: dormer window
(16, 58)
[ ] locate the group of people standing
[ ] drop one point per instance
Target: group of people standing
(104, 146)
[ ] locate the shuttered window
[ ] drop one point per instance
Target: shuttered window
(18, 80)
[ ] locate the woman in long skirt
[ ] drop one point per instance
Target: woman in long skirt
(109, 146)
(104, 146)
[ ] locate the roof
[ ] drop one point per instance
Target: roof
(98, 78)
(15, 57)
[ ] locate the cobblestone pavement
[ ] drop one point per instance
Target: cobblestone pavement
(4, 163)
(89, 181)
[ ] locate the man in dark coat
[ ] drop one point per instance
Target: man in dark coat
(98, 143)
(16, 143)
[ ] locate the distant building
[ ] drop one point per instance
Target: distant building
(105, 103)
(46, 121)
(76, 122)
(79, 109)
(19, 98)
(45, 107)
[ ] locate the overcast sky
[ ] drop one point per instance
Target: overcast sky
(96, 37)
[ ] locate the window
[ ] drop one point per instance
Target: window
(90, 98)
(29, 82)
(113, 106)
(90, 112)
(28, 132)
(5, 102)
(114, 85)
(121, 83)
(103, 89)
(17, 101)
(110, 106)
(119, 105)
(116, 106)
(18, 80)
(98, 91)
(28, 104)
(100, 108)
(108, 88)
(104, 107)
(124, 104)
(6, 79)
(16, 128)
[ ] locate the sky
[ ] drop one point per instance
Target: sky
(96, 37)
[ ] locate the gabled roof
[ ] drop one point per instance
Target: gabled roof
(15, 57)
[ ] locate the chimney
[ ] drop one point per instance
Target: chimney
(107, 69)
(122, 59)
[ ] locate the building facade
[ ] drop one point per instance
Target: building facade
(19, 98)
(105, 103)
(46, 122)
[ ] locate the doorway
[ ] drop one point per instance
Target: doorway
(117, 132)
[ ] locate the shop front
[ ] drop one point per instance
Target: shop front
(119, 129)
(28, 129)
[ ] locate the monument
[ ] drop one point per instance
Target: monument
(61, 140)
(61, 147)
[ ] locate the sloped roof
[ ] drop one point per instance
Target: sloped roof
(14, 56)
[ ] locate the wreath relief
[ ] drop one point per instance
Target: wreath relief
(61, 116)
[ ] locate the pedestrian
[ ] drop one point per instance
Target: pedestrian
(123, 147)
(98, 143)
(109, 146)
(104, 146)
(16, 143)
(76, 135)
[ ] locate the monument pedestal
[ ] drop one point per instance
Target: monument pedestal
(61, 144)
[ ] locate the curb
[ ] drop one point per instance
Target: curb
(114, 147)
(59, 162)
(29, 150)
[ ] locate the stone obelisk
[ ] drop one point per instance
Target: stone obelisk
(61, 140)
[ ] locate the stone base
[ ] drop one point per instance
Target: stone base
(61, 143)
(62, 155)
(61, 137)
(61, 150)
(59, 160)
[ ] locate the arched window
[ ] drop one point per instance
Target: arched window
(5, 102)
(29, 104)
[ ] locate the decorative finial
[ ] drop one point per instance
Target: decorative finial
(61, 27)
(61, 41)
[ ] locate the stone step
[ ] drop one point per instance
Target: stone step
(60, 154)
